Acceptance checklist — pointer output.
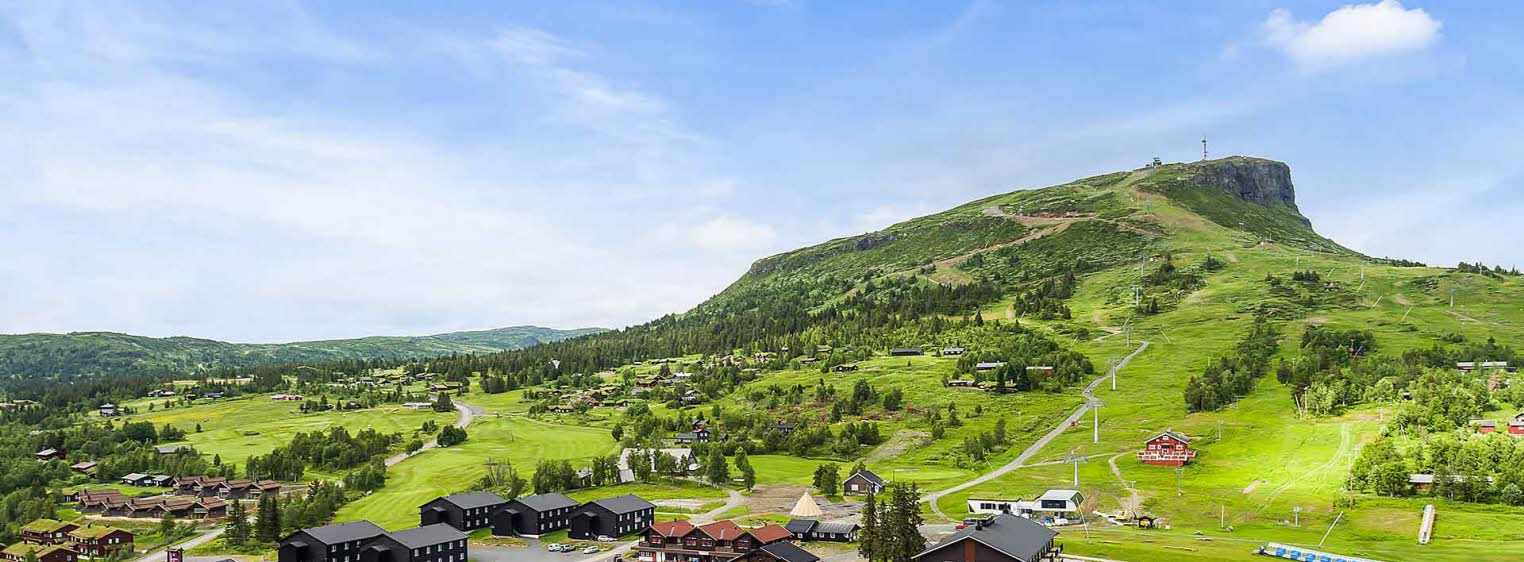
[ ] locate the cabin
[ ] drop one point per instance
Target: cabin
(47, 531)
(162, 481)
(287, 397)
(615, 517)
(1421, 482)
(996, 538)
(49, 454)
(98, 541)
(720, 541)
(466, 512)
(235, 489)
(210, 507)
(109, 411)
(778, 552)
(844, 368)
(962, 383)
(417, 405)
(562, 409)
(991, 506)
(1485, 365)
(172, 449)
(432, 543)
(329, 543)
(85, 467)
(949, 351)
(905, 351)
(1059, 504)
(863, 482)
(1516, 427)
(785, 428)
(533, 516)
(1167, 449)
(813, 530)
(1485, 426)
(137, 479)
(1147, 522)
(1043, 370)
(988, 365)
(809, 360)
(264, 487)
(20, 552)
(700, 435)
(99, 500)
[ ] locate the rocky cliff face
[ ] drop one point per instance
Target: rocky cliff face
(1255, 180)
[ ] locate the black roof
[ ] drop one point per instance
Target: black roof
(868, 474)
(431, 535)
(334, 534)
(1018, 537)
(836, 528)
(547, 502)
(789, 552)
(800, 526)
(624, 504)
(472, 500)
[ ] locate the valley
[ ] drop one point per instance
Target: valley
(1164, 271)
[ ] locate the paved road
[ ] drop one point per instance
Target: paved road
(735, 500)
(158, 555)
(468, 413)
(1021, 460)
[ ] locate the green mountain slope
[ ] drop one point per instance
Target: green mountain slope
(24, 356)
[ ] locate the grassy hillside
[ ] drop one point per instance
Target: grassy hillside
(25, 356)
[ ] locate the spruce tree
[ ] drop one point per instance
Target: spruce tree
(719, 469)
(868, 536)
(238, 524)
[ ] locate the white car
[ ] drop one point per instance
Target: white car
(591, 550)
(605, 538)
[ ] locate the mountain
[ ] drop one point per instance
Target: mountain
(86, 353)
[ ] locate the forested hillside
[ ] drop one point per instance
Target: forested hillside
(66, 356)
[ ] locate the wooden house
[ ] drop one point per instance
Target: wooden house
(100, 540)
(1167, 449)
(1485, 426)
(905, 352)
(466, 512)
(47, 531)
(863, 482)
(48, 454)
(20, 552)
(997, 538)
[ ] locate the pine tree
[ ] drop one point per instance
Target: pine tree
(238, 524)
(868, 547)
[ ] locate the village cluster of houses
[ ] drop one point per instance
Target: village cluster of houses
(49, 540)
(193, 497)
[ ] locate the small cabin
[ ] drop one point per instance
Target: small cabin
(1485, 426)
(905, 351)
(844, 368)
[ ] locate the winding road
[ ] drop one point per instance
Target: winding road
(468, 413)
(1037, 446)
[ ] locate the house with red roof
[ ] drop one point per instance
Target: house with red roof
(1167, 449)
(720, 541)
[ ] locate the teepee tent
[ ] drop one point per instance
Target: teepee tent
(806, 507)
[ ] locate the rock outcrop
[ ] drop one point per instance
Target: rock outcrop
(1255, 180)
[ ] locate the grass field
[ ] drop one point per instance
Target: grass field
(238, 428)
(439, 472)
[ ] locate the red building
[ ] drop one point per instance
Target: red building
(1167, 449)
(1485, 426)
(721, 541)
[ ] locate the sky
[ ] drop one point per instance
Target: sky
(281, 171)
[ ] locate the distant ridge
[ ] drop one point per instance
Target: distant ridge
(76, 354)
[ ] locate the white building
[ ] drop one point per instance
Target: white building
(1056, 505)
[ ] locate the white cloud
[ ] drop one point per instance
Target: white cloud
(885, 215)
(1351, 33)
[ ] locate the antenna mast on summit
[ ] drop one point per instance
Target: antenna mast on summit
(1203, 148)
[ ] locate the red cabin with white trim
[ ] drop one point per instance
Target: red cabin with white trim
(1167, 449)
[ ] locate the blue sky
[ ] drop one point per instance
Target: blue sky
(281, 171)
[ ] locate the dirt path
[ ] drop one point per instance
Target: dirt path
(468, 413)
(1039, 233)
(1117, 471)
(1037, 446)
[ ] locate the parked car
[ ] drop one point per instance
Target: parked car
(591, 550)
(605, 538)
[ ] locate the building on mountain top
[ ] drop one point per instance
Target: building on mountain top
(1167, 449)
